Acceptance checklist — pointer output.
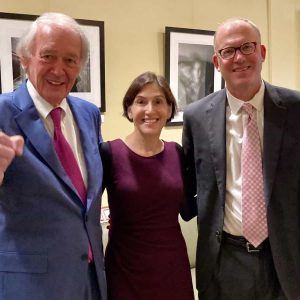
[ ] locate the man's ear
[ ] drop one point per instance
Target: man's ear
(24, 61)
(263, 52)
(215, 61)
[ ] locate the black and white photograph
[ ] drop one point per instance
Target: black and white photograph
(188, 66)
(195, 73)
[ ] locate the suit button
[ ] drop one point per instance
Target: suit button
(84, 256)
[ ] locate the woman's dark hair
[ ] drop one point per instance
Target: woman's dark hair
(139, 83)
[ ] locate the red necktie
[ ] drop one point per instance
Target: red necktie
(68, 161)
(66, 155)
(255, 228)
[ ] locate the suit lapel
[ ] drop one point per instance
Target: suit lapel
(89, 146)
(274, 119)
(217, 137)
(36, 134)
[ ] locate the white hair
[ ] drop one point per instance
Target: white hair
(25, 43)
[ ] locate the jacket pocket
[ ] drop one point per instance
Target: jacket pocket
(23, 262)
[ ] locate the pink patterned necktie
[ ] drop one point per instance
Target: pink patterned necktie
(68, 161)
(255, 228)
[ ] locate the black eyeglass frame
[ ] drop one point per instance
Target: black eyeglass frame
(237, 48)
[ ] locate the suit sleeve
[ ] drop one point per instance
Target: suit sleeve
(105, 152)
(189, 173)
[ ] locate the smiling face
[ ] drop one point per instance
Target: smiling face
(242, 73)
(150, 110)
(55, 62)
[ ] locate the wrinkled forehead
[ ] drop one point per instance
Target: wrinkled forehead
(56, 30)
(55, 36)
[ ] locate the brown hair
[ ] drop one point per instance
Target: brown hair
(138, 84)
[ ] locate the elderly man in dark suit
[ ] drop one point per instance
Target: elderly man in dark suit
(50, 173)
(242, 150)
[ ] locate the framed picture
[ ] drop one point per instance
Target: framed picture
(188, 66)
(104, 218)
(90, 84)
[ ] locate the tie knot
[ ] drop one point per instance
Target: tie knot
(248, 108)
(56, 116)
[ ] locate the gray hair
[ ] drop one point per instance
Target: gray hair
(25, 44)
(235, 19)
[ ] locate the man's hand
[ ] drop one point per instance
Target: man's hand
(10, 147)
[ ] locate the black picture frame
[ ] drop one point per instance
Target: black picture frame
(91, 85)
(188, 66)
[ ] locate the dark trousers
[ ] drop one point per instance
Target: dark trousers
(92, 288)
(243, 275)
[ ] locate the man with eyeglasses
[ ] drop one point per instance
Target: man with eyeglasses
(242, 150)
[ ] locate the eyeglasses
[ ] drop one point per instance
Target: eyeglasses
(246, 49)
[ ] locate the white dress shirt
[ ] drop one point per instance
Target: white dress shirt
(68, 125)
(236, 120)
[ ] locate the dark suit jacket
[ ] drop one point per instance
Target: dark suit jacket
(205, 152)
(44, 228)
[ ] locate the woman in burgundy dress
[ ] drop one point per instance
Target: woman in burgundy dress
(146, 256)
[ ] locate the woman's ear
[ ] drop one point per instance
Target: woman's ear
(129, 112)
(169, 111)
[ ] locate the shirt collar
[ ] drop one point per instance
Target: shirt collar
(257, 101)
(42, 106)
